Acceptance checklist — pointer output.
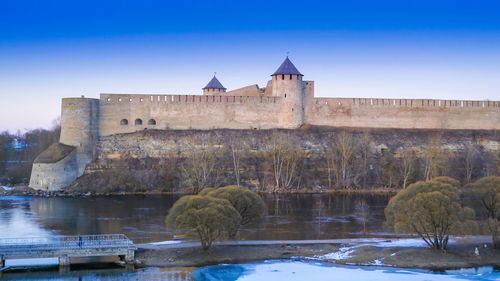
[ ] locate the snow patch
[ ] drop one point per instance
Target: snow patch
(165, 242)
(6, 188)
(411, 242)
(377, 262)
(342, 254)
(345, 252)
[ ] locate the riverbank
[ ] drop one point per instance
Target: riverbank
(403, 253)
(27, 191)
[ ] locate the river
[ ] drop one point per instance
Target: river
(141, 218)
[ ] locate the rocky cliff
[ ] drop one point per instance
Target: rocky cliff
(166, 160)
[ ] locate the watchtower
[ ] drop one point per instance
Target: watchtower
(287, 84)
(80, 127)
(214, 87)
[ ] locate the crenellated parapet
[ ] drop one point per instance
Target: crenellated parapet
(404, 113)
(121, 113)
(432, 103)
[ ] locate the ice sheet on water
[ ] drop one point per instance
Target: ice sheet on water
(312, 271)
(31, 262)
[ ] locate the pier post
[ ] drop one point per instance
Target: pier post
(129, 257)
(64, 261)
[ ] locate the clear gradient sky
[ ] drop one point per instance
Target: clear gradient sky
(439, 49)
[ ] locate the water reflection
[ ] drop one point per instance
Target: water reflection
(292, 216)
(109, 274)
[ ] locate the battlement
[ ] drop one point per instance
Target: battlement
(404, 113)
(407, 102)
(174, 99)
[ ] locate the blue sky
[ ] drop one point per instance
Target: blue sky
(358, 48)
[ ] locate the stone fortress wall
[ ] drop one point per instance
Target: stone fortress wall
(130, 113)
(121, 113)
(403, 113)
(286, 102)
(54, 169)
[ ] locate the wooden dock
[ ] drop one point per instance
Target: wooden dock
(66, 247)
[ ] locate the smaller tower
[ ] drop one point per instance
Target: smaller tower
(214, 87)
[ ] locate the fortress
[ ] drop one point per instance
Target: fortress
(286, 102)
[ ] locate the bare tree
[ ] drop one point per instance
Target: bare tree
(235, 150)
(391, 175)
(470, 156)
(406, 164)
(366, 154)
(286, 158)
(341, 157)
(259, 166)
(491, 163)
(202, 167)
(433, 158)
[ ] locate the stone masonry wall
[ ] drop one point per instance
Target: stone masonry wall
(186, 112)
(54, 176)
(403, 113)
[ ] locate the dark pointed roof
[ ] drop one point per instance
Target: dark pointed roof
(287, 67)
(214, 84)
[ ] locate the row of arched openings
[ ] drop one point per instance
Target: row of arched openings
(137, 122)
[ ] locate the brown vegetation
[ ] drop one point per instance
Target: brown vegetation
(312, 160)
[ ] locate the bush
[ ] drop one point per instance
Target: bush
(484, 196)
(431, 209)
(207, 217)
(205, 191)
(248, 203)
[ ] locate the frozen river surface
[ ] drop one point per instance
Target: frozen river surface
(316, 271)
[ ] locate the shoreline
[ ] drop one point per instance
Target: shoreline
(26, 191)
(353, 252)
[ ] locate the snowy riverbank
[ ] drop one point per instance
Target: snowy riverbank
(406, 253)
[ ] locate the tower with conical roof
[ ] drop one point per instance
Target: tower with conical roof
(287, 84)
(214, 87)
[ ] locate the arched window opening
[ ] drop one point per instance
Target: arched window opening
(283, 77)
(290, 76)
(124, 122)
(138, 121)
(152, 122)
